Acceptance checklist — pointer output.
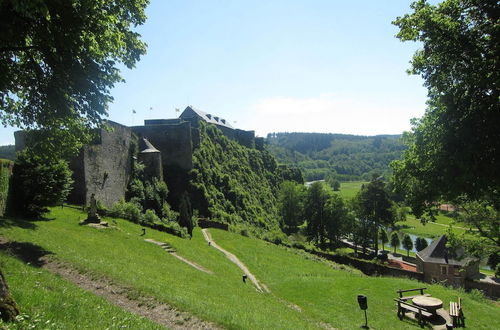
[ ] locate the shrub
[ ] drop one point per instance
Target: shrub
(150, 217)
(38, 183)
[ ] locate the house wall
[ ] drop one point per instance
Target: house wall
(433, 272)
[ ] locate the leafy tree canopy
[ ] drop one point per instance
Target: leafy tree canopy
(37, 184)
(454, 149)
(58, 62)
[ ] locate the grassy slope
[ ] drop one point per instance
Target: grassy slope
(349, 189)
(323, 293)
(330, 295)
(50, 302)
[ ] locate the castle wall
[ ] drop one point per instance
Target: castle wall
(173, 141)
(107, 166)
(245, 138)
(152, 165)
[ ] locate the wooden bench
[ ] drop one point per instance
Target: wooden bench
(421, 313)
(456, 313)
(400, 292)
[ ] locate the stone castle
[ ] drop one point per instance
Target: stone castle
(165, 146)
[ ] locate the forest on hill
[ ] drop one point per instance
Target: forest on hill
(345, 157)
(8, 152)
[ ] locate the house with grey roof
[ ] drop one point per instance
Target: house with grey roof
(441, 264)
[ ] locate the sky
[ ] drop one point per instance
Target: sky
(329, 66)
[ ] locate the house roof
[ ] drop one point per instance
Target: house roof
(437, 253)
(190, 112)
(146, 147)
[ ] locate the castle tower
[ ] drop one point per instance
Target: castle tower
(151, 158)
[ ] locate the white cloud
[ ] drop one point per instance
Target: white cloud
(331, 113)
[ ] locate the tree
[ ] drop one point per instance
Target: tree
(291, 205)
(383, 237)
(407, 243)
(395, 242)
(337, 218)
(420, 243)
(186, 214)
(58, 64)
(38, 183)
(484, 217)
(454, 149)
(332, 180)
(373, 204)
(315, 204)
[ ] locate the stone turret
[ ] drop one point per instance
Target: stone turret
(151, 158)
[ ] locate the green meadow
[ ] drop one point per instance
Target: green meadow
(349, 189)
(306, 292)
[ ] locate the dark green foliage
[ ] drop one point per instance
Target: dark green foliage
(395, 241)
(407, 243)
(8, 152)
(232, 183)
(186, 214)
(58, 62)
(5, 168)
(373, 204)
(332, 181)
(288, 173)
(382, 235)
(315, 212)
(338, 219)
(454, 149)
(291, 206)
(37, 183)
(346, 157)
(420, 243)
(362, 233)
(148, 194)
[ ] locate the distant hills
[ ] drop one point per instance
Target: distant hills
(8, 152)
(346, 157)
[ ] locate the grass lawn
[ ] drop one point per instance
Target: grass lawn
(324, 292)
(49, 302)
(330, 294)
(431, 229)
(349, 189)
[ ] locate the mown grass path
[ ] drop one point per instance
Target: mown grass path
(172, 252)
(260, 287)
(123, 297)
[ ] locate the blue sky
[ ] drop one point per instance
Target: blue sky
(273, 66)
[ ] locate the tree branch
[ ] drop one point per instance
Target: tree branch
(17, 49)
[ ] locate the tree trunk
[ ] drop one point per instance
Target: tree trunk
(8, 307)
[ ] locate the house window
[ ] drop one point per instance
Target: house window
(456, 270)
(444, 270)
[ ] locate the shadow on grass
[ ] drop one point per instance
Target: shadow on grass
(27, 252)
(401, 227)
(8, 222)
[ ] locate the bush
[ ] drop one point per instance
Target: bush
(127, 210)
(150, 217)
(38, 183)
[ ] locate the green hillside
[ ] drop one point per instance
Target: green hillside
(305, 293)
(348, 157)
(8, 152)
(232, 183)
